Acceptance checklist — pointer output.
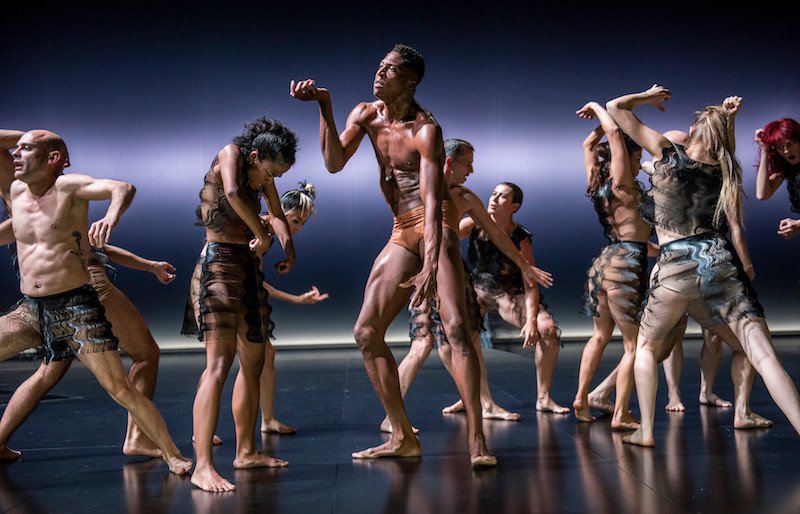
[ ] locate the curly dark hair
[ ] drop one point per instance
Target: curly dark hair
(412, 59)
(270, 138)
(600, 170)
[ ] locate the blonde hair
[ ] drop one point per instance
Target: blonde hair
(713, 130)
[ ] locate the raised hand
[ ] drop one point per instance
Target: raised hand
(732, 104)
(656, 95)
(307, 91)
(759, 138)
(587, 112)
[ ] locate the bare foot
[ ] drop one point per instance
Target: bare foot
(483, 461)
(215, 441)
(752, 420)
(604, 405)
(675, 406)
(386, 426)
(179, 464)
(626, 422)
(456, 407)
(639, 439)
(548, 405)
(209, 480)
(274, 426)
(406, 448)
(257, 460)
(714, 400)
(140, 446)
(9, 454)
(494, 411)
(582, 412)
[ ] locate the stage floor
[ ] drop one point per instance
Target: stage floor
(72, 447)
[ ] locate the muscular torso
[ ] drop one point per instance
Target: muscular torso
(222, 223)
(397, 153)
(52, 245)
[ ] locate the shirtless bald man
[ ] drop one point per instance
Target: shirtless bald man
(60, 310)
(423, 250)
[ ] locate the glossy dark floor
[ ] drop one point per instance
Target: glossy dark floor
(72, 459)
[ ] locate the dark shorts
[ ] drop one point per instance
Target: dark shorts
(705, 271)
(231, 290)
(69, 323)
(621, 265)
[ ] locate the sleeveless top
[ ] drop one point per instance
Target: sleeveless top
(792, 177)
(683, 195)
(489, 268)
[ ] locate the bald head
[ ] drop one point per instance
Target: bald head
(51, 142)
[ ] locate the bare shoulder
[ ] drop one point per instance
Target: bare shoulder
(72, 181)
(365, 112)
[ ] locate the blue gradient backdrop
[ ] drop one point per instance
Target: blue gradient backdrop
(149, 94)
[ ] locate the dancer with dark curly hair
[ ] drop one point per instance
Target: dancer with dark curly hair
(617, 280)
(234, 315)
(297, 206)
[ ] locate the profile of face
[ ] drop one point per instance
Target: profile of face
(501, 203)
(392, 77)
(296, 219)
(31, 157)
(263, 172)
(789, 150)
(636, 161)
(460, 166)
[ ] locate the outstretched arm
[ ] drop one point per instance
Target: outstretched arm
(621, 110)
(164, 271)
(89, 188)
(336, 149)
(311, 296)
(766, 184)
(280, 227)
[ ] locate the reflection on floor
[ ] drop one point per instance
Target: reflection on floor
(72, 459)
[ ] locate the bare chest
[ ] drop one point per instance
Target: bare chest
(47, 218)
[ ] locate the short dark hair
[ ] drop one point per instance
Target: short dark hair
(456, 147)
(516, 192)
(270, 138)
(412, 59)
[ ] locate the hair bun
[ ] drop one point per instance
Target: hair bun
(309, 189)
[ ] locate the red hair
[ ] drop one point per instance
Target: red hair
(775, 133)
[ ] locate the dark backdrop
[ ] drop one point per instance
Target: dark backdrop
(149, 94)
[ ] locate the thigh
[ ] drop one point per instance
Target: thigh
(384, 298)
(450, 287)
(18, 332)
(129, 325)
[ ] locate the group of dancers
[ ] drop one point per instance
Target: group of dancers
(69, 304)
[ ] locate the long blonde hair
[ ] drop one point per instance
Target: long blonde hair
(713, 129)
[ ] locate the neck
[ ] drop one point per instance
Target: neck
(400, 108)
(504, 222)
(40, 187)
